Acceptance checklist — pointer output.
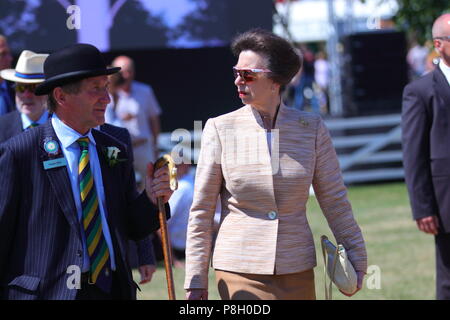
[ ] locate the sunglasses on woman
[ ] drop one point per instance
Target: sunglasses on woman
(247, 74)
(21, 88)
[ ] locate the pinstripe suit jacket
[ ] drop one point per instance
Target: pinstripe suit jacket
(38, 222)
(264, 229)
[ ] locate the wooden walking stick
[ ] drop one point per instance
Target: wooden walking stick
(167, 251)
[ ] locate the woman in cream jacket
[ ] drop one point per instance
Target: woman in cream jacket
(261, 160)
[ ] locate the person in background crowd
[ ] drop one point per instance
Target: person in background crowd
(304, 91)
(417, 60)
(322, 79)
(139, 111)
(116, 80)
(31, 109)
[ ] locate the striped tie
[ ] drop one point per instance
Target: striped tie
(92, 222)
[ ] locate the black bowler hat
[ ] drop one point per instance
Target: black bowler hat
(71, 64)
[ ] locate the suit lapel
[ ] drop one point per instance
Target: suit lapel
(59, 178)
(441, 87)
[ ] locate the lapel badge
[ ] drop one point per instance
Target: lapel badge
(303, 122)
(51, 147)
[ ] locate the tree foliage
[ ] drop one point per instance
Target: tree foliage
(416, 17)
(35, 25)
(207, 23)
(135, 27)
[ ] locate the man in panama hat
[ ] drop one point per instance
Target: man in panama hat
(71, 203)
(31, 109)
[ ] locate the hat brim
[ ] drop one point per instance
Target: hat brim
(48, 85)
(10, 75)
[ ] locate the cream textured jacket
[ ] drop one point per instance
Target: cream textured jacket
(263, 192)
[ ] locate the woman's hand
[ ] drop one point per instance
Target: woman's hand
(360, 277)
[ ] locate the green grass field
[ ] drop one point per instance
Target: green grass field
(404, 255)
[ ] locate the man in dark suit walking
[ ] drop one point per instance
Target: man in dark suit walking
(31, 110)
(68, 200)
(426, 152)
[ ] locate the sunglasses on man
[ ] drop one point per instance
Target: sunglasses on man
(21, 88)
(248, 74)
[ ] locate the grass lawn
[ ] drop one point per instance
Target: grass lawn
(404, 255)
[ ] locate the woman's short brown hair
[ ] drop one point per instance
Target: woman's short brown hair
(284, 60)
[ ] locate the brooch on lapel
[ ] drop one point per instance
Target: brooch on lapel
(111, 155)
(51, 147)
(54, 154)
(303, 122)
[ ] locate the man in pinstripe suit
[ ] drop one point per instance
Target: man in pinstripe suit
(31, 111)
(68, 204)
(11, 125)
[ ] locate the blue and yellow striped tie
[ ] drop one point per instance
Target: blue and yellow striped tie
(92, 222)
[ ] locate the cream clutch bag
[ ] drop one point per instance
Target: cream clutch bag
(338, 267)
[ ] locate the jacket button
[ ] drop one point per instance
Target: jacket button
(79, 253)
(272, 215)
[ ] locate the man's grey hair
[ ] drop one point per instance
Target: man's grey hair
(71, 88)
